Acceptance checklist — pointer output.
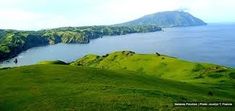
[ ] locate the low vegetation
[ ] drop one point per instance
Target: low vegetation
(118, 81)
(158, 65)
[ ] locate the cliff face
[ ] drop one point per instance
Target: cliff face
(168, 19)
(13, 43)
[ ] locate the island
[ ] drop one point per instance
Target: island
(13, 42)
(167, 19)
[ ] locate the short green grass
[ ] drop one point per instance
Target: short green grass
(160, 66)
(64, 87)
(118, 81)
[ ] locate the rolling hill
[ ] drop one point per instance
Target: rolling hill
(115, 82)
(158, 65)
(167, 19)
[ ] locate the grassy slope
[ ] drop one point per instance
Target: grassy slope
(160, 66)
(64, 87)
(118, 81)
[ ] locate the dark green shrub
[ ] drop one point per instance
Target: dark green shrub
(198, 67)
(232, 75)
(210, 93)
(215, 75)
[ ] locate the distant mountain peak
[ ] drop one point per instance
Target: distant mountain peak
(168, 19)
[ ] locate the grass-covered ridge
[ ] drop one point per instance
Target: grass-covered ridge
(158, 65)
(115, 82)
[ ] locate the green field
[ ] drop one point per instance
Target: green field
(117, 81)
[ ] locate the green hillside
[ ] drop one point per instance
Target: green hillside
(64, 87)
(115, 82)
(158, 65)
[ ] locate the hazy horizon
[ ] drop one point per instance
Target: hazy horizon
(43, 14)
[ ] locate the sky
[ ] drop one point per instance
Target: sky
(43, 14)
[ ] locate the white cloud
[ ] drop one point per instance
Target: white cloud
(17, 18)
(24, 20)
(117, 11)
(18, 15)
(40, 14)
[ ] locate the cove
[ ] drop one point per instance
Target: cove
(214, 43)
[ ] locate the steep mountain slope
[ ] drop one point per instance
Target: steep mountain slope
(168, 19)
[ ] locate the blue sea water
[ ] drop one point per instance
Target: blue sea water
(214, 43)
